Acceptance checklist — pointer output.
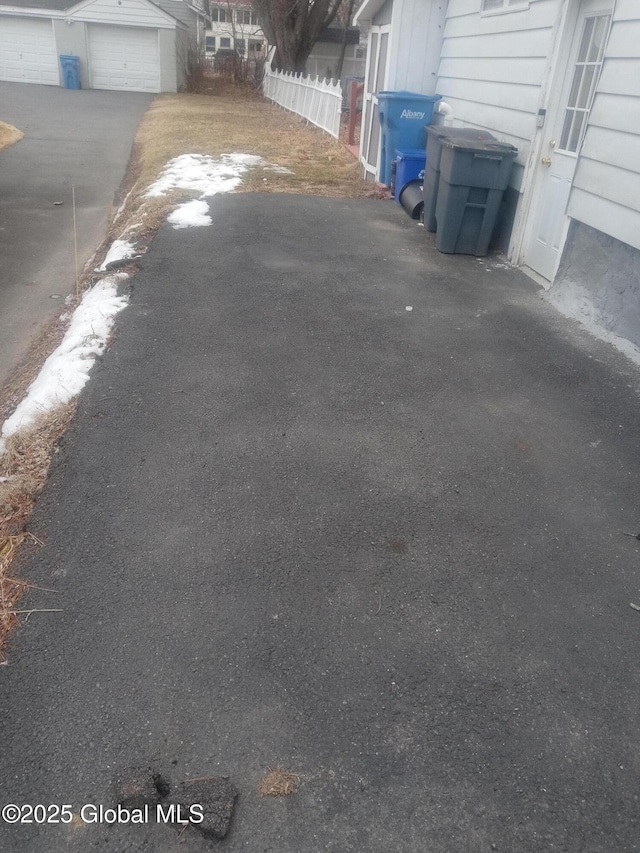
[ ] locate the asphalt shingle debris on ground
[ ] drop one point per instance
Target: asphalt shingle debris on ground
(205, 805)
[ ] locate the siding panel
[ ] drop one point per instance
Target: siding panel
(540, 16)
(500, 121)
(627, 10)
(606, 216)
(624, 39)
(611, 182)
(492, 94)
(606, 188)
(493, 70)
(616, 112)
(534, 43)
(621, 77)
(610, 146)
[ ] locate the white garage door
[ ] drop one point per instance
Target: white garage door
(28, 51)
(124, 58)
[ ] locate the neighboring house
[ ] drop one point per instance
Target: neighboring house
(234, 25)
(560, 79)
(133, 45)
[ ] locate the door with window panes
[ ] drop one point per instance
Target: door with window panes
(375, 79)
(569, 105)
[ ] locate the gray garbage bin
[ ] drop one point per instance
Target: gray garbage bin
(435, 135)
(473, 177)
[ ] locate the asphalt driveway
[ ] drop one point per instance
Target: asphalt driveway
(296, 524)
(70, 137)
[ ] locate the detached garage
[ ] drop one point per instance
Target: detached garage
(124, 58)
(28, 51)
(132, 45)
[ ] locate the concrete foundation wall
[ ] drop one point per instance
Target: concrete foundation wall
(601, 276)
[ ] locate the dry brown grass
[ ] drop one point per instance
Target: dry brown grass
(25, 465)
(8, 135)
(233, 119)
(278, 783)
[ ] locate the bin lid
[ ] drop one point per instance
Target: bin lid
(411, 153)
(402, 95)
(442, 132)
(482, 146)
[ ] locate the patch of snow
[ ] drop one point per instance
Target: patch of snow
(66, 371)
(4, 479)
(575, 302)
(120, 250)
(205, 174)
(192, 214)
(122, 206)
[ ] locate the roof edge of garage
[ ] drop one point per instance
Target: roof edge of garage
(54, 10)
(75, 10)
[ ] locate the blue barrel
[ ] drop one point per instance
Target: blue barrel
(403, 116)
(70, 71)
(410, 167)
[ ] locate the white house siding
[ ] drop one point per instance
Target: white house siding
(493, 67)
(420, 25)
(606, 188)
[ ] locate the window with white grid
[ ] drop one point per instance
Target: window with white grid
(584, 82)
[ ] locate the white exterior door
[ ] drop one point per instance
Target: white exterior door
(124, 58)
(567, 122)
(28, 51)
(375, 80)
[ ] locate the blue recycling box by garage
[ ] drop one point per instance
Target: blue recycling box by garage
(410, 166)
(403, 116)
(70, 71)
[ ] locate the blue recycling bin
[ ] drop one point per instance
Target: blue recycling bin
(410, 166)
(70, 71)
(403, 116)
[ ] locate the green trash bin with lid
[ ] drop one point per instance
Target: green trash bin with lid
(473, 177)
(435, 135)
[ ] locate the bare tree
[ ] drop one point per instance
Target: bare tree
(345, 17)
(293, 26)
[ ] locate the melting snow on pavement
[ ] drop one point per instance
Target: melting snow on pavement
(190, 215)
(206, 175)
(121, 250)
(66, 371)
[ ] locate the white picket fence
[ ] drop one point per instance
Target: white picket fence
(317, 100)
